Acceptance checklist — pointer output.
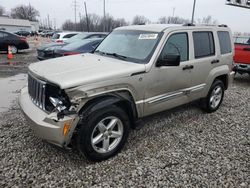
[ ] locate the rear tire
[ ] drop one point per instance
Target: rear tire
(214, 98)
(14, 49)
(103, 134)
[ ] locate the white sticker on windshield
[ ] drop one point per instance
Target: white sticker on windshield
(148, 36)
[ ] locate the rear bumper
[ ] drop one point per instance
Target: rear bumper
(45, 126)
(242, 68)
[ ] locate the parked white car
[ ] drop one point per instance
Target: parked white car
(63, 36)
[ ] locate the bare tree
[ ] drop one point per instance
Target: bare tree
(2, 10)
(207, 20)
(95, 23)
(140, 20)
(172, 20)
(25, 12)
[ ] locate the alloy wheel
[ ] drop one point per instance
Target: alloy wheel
(216, 97)
(107, 134)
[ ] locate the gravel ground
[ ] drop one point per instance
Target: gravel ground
(183, 147)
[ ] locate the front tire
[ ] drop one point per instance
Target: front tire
(214, 98)
(103, 134)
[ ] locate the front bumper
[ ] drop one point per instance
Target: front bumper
(46, 126)
(242, 68)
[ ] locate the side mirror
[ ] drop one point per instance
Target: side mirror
(169, 60)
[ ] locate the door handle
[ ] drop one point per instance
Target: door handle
(246, 49)
(215, 61)
(187, 67)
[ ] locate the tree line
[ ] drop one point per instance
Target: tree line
(95, 22)
(98, 23)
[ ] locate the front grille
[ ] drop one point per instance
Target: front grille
(37, 89)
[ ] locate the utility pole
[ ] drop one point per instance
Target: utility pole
(86, 12)
(80, 17)
(193, 12)
(173, 11)
(54, 23)
(104, 16)
(48, 22)
(75, 5)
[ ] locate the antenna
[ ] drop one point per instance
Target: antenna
(192, 21)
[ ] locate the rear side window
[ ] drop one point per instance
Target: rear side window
(68, 36)
(225, 42)
(203, 44)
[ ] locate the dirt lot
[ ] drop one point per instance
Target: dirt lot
(183, 147)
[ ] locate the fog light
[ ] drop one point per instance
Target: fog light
(66, 128)
(58, 104)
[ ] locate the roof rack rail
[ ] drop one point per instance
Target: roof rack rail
(188, 24)
(222, 25)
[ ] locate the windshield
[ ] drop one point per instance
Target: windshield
(135, 46)
(242, 40)
(77, 37)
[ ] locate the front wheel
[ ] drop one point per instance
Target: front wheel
(103, 134)
(214, 98)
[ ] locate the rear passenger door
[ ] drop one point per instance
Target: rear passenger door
(204, 60)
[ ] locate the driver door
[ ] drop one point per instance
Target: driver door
(168, 85)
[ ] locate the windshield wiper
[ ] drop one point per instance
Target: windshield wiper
(117, 55)
(111, 54)
(99, 52)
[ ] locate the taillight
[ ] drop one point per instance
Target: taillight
(70, 53)
(59, 41)
(23, 39)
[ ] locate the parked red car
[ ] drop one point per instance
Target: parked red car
(242, 55)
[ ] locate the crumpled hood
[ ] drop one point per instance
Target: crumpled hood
(76, 70)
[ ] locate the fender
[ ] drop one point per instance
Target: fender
(104, 101)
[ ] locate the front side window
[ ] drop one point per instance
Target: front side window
(225, 42)
(203, 44)
(177, 44)
(133, 46)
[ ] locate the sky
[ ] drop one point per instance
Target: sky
(60, 10)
